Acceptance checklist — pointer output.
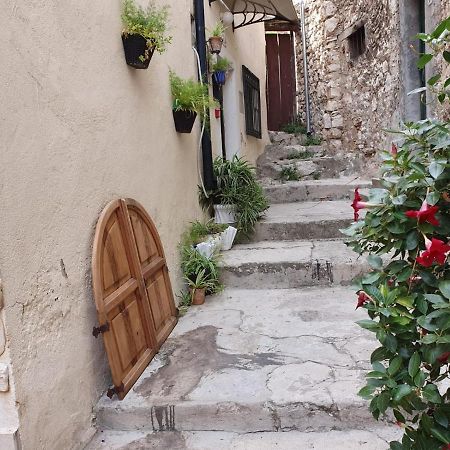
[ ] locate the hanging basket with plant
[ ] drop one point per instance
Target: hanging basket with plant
(190, 98)
(215, 41)
(145, 30)
(219, 70)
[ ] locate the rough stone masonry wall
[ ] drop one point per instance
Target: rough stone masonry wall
(352, 101)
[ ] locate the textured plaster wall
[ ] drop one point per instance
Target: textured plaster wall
(80, 128)
(354, 99)
(244, 46)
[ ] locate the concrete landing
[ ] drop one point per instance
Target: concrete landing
(290, 264)
(254, 361)
(306, 220)
(304, 191)
(371, 439)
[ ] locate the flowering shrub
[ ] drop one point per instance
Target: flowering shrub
(406, 232)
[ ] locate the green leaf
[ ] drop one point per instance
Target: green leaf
(433, 198)
(420, 378)
(444, 287)
(383, 401)
(394, 445)
(390, 342)
(433, 80)
(441, 418)
(429, 339)
(395, 365)
(434, 298)
(380, 354)
(375, 262)
(368, 324)
(446, 55)
(424, 60)
(431, 393)
(436, 169)
(366, 392)
(414, 365)
(438, 434)
(402, 391)
(377, 366)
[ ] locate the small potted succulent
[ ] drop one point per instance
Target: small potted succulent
(145, 30)
(190, 98)
(219, 70)
(216, 39)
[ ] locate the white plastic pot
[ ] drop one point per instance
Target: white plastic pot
(225, 213)
(228, 236)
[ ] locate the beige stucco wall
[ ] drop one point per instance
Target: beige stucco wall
(79, 128)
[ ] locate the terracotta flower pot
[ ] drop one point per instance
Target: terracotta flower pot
(137, 52)
(215, 44)
(198, 296)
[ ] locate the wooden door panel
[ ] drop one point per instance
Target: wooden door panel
(127, 258)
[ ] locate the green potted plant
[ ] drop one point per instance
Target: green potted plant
(190, 98)
(145, 30)
(199, 287)
(216, 39)
(238, 197)
(219, 70)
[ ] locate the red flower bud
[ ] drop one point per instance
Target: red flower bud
(362, 299)
(443, 358)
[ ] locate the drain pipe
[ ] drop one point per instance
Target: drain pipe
(199, 17)
(305, 68)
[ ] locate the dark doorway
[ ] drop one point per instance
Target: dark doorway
(281, 93)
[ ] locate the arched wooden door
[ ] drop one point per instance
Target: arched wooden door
(133, 294)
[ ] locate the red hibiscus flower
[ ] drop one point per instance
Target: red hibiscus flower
(357, 204)
(425, 214)
(362, 299)
(436, 251)
(443, 358)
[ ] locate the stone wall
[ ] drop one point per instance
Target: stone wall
(354, 99)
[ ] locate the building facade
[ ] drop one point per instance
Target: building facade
(79, 128)
(361, 64)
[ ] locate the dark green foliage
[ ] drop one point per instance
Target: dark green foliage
(289, 173)
(237, 185)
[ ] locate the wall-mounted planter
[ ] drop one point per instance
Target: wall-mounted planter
(184, 120)
(137, 52)
(220, 77)
(215, 44)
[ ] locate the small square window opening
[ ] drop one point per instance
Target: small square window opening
(357, 42)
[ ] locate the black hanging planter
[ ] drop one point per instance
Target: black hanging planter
(137, 52)
(184, 120)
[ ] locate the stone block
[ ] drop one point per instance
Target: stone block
(337, 121)
(326, 121)
(331, 25)
(4, 378)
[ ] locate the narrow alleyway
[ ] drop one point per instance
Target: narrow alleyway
(276, 360)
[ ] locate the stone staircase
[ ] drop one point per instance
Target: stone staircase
(276, 360)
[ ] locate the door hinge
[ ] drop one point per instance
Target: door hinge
(115, 390)
(100, 330)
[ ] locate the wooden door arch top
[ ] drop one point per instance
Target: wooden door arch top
(132, 290)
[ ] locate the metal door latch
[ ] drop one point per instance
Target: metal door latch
(100, 330)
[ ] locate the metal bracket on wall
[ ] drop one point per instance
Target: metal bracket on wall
(100, 330)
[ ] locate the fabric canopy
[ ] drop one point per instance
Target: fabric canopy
(254, 11)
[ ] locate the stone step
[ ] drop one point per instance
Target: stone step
(290, 264)
(305, 220)
(307, 190)
(370, 439)
(310, 168)
(253, 361)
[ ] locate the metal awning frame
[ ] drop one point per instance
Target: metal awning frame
(258, 14)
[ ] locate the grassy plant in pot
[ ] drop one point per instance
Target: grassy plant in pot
(238, 198)
(190, 98)
(216, 39)
(219, 70)
(145, 30)
(199, 287)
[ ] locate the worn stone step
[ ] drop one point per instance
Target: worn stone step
(307, 190)
(305, 220)
(309, 168)
(290, 264)
(370, 439)
(253, 361)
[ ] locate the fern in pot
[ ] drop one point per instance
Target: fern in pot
(238, 197)
(145, 30)
(190, 98)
